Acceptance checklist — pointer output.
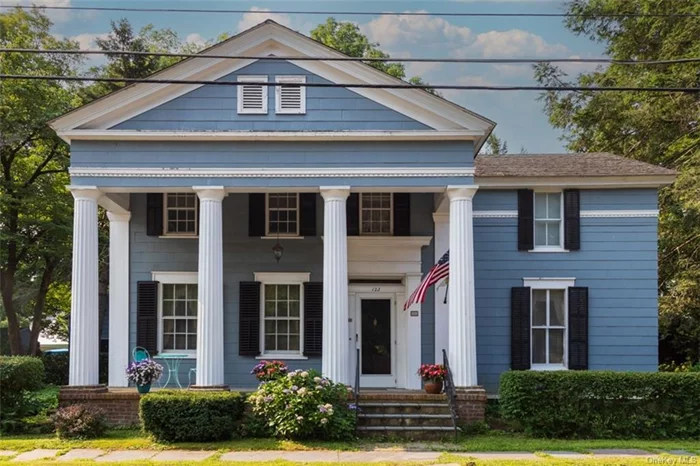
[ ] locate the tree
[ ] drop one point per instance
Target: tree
(35, 207)
(657, 128)
(495, 146)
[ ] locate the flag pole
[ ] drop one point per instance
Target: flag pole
(447, 288)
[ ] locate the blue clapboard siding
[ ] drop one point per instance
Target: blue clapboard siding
(244, 255)
(214, 108)
(617, 261)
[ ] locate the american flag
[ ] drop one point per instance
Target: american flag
(438, 272)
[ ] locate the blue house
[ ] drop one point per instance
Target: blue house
(264, 219)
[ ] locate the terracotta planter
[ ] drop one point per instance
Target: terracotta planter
(433, 388)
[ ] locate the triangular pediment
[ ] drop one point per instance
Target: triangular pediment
(266, 39)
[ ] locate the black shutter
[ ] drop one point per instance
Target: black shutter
(402, 214)
(572, 219)
(313, 318)
(520, 328)
(353, 214)
(307, 211)
(154, 214)
(147, 316)
(249, 319)
(256, 214)
(526, 220)
(578, 328)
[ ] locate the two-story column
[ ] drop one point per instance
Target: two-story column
(210, 309)
(118, 297)
(461, 302)
(84, 318)
(335, 358)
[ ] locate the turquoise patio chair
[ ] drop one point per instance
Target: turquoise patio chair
(140, 353)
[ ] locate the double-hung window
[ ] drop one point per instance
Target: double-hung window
(549, 226)
(376, 214)
(282, 309)
(177, 326)
(283, 214)
(180, 214)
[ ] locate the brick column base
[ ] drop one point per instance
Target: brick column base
(121, 408)
(471, 404)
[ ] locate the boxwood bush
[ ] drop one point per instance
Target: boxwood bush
(602, 404)
(181, 416)
(19, 375)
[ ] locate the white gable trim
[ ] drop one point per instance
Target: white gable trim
(270, 38)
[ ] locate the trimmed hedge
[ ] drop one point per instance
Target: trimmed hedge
(18, 375)
(57, 364)
(602, 404)
(179, 416)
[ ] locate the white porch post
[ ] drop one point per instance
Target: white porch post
(84, 316)
(335, 359)
(462, 315)
(442, 321)
(118, 297)
(210, 309)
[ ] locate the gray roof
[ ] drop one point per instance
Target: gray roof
(593, 164)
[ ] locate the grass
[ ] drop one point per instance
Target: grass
(496, 441)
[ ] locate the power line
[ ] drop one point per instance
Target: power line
(355, 59)
(364, 13)
(360, 86)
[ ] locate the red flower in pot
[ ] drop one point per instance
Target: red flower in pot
(433, 376)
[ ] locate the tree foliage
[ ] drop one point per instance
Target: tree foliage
(657, 128)
(494, 145)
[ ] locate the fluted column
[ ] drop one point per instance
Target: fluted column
(118, 297)
(84, 317)
(210, 309)
(335, 358)
(462, 308)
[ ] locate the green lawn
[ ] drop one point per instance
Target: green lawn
(134, 439)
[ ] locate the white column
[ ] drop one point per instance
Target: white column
(461, 303)
(118, 297)
(335, 359)
(442, 322)
(210, 317)
(84, 315)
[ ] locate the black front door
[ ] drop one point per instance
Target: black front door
(376, 344)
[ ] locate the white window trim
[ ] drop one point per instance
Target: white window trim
(169, 278)
(168, 234)
(278, 95)
(391, 217)
(239, 95)
(267, 220)
(559, 248)
(282, 278)
(538, 283)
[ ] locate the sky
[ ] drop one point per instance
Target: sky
(519, 116)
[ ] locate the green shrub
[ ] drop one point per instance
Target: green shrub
(56, 365)
(179, 416)
(18, 375)
(601, 404)
(79, 422)
(304, 405)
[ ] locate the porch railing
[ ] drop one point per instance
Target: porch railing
(450, 392)
(357, 386)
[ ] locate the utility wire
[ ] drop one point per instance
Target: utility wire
(354, 59)
(364, 13)
(358, 86)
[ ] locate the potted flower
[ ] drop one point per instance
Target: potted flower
(433, 375)
(143, 373)
(266, 371)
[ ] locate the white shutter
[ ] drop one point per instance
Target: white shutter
(252, 98)
(290, 98)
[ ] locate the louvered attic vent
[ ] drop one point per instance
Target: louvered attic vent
(290, 98)
(252, 98)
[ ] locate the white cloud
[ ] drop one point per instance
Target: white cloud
(195, 39)
(512, 44)
(58, 16)
(391, 31)
(253, 19)
(88, 41)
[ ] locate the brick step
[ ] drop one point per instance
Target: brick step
(404, 408)
(399, 397)
(417, 422)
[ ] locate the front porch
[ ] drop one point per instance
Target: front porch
(363, 280)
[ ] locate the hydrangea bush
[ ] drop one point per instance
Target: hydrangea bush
(144, 372)
(269, 370)
(303, 404)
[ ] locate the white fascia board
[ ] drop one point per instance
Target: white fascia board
(137, 135)
(592, 182)
(271, 39)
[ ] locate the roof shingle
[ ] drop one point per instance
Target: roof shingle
(593, 164)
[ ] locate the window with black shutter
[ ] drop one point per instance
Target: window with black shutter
(147, 315)
(578, 328)
(572, 219)
(526, 241)
(313, 318)
(256, 214)
(520, 328)
(307, 211)
(154, 214)
(249, 319)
